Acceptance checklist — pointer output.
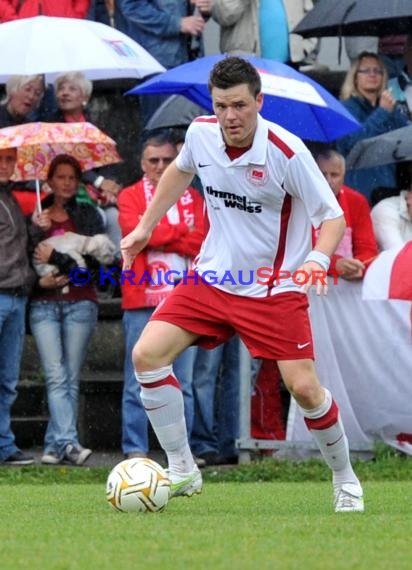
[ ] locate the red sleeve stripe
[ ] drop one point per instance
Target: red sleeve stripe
(287, 151)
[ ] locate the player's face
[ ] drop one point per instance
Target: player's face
(333, 170)
(236, 110)
(156, 159)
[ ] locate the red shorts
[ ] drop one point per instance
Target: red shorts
(276, 328)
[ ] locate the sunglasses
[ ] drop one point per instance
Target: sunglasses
(371, 70)
(154, 160)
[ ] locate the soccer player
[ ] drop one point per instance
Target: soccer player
(263, 192)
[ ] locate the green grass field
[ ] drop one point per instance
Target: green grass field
(59, 519)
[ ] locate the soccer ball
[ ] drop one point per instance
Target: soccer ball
(138, 486)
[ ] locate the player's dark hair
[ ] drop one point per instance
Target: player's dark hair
(65, 159)
(232, 71)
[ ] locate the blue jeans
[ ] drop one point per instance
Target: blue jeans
(216, 383)
(12, 331)
(62, 330)
(134, 418)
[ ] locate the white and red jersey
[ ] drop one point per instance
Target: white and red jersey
(260, 206)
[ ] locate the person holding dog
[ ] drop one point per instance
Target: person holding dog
(63, 315)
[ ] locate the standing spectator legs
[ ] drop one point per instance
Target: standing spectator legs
(207, 364)
(183, 368)
(216, 397)
(228, 400)
(12, 314)
(134, 419)
(62, 331)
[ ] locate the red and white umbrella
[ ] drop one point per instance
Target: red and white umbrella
(389, 276)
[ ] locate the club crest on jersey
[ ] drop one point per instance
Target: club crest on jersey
(257, 175)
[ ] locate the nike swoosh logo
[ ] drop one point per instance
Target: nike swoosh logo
(200, 165)
(336, 441)
(300, 346)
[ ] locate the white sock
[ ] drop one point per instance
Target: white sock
(163, 402)
(325, 425)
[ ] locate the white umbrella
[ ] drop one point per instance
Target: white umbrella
(57, 45)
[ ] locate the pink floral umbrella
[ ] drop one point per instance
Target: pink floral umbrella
(38, 143)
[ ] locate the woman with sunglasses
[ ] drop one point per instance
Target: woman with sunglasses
(364, 93)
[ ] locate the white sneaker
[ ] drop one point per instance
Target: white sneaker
(349, 499)
(185, 484)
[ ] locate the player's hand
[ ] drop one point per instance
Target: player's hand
(131, 245)
(311, 273)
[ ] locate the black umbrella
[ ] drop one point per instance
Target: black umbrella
(176, 111)
(395, 146)
(357, 18)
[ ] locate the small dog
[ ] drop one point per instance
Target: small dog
(99, 246)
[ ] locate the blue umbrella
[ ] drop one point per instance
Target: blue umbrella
(293, 100)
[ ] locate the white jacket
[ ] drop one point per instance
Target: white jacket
(391, 221)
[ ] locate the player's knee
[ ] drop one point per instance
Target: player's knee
(306, 392)
(144, 358)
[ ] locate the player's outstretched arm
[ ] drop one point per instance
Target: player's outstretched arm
(171, 186)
